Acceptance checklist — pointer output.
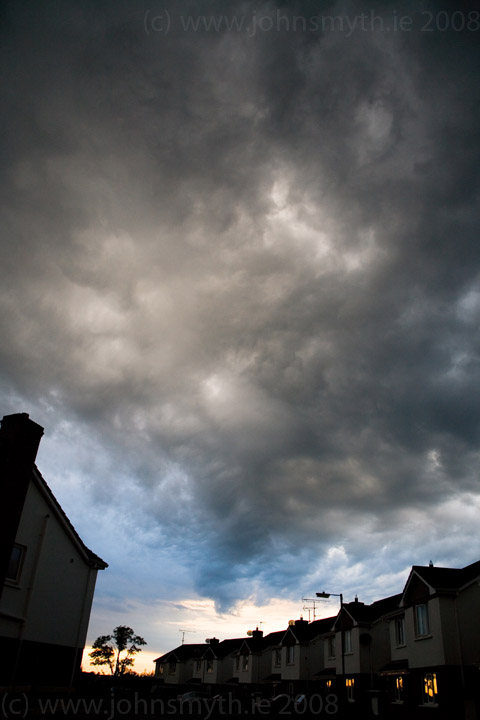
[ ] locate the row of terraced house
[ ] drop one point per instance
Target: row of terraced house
(412, 655)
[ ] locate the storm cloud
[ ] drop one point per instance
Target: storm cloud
(240, 285)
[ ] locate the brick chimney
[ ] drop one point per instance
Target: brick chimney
(19, 441)
(301, 622)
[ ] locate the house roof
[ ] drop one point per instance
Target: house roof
(303, 631)
(183, 653)
(394, 667)
(366, 614)
(440, 578)
(91, 558)
(272, 639)
(220, 650)
(252, 645)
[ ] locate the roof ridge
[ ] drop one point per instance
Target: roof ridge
(93, 557)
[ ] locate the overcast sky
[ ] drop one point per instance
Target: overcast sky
(240, 289)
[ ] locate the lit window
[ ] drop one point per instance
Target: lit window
(421, 621)
(277, 658)
(331, 646)
(399, 689)
(209, 666)
(349, 684)
(400, 631)
(15, 563)
(160, 669)
(328, 684)
(290, 654)
(348, 641)
(430, 692)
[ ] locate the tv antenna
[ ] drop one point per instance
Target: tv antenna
(259, 626)
(183, 633)
(310, 600)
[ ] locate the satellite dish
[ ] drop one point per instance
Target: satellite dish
(207, 640)
(291, 622)
(249, 633)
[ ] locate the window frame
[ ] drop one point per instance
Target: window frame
(290, 654)
(399, 689)
(347, 642)
(422, 620)
(349, 688)
(430, 689)
(400, 631)
(331, 647)
(15, 567)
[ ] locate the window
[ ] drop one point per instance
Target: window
(15, 563)
(331, 646)
(245, 662)
(349, 684)
(430, 692)
(198, 666)
(209, 666)
(160, 669)
(277, 658)
(400, 631)
(347, 637)
(421, 621)
(399, 687)
(172, 668)
(290, 654)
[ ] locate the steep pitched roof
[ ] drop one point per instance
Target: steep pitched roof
(220, 650)
(303, 631)
(366, 614)
(91, 558)
(440, 578)
(183, 653)
(272, 639)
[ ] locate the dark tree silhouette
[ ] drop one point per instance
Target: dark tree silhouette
(116, 650)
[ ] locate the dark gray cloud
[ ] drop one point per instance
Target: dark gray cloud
(245, 264)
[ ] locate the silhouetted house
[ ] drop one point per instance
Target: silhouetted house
(219, 661)
(408, 656)
(301, 653)
(247, 664)
(366, 648)
(435, 645)
(271, 662)
(182, 666)
(47, 574)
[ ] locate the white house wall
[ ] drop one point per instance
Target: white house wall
(468, 617)
(55, 587)
(427, 651)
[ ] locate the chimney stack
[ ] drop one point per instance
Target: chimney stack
(19, 441)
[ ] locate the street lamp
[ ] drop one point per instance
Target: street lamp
(342, 632)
